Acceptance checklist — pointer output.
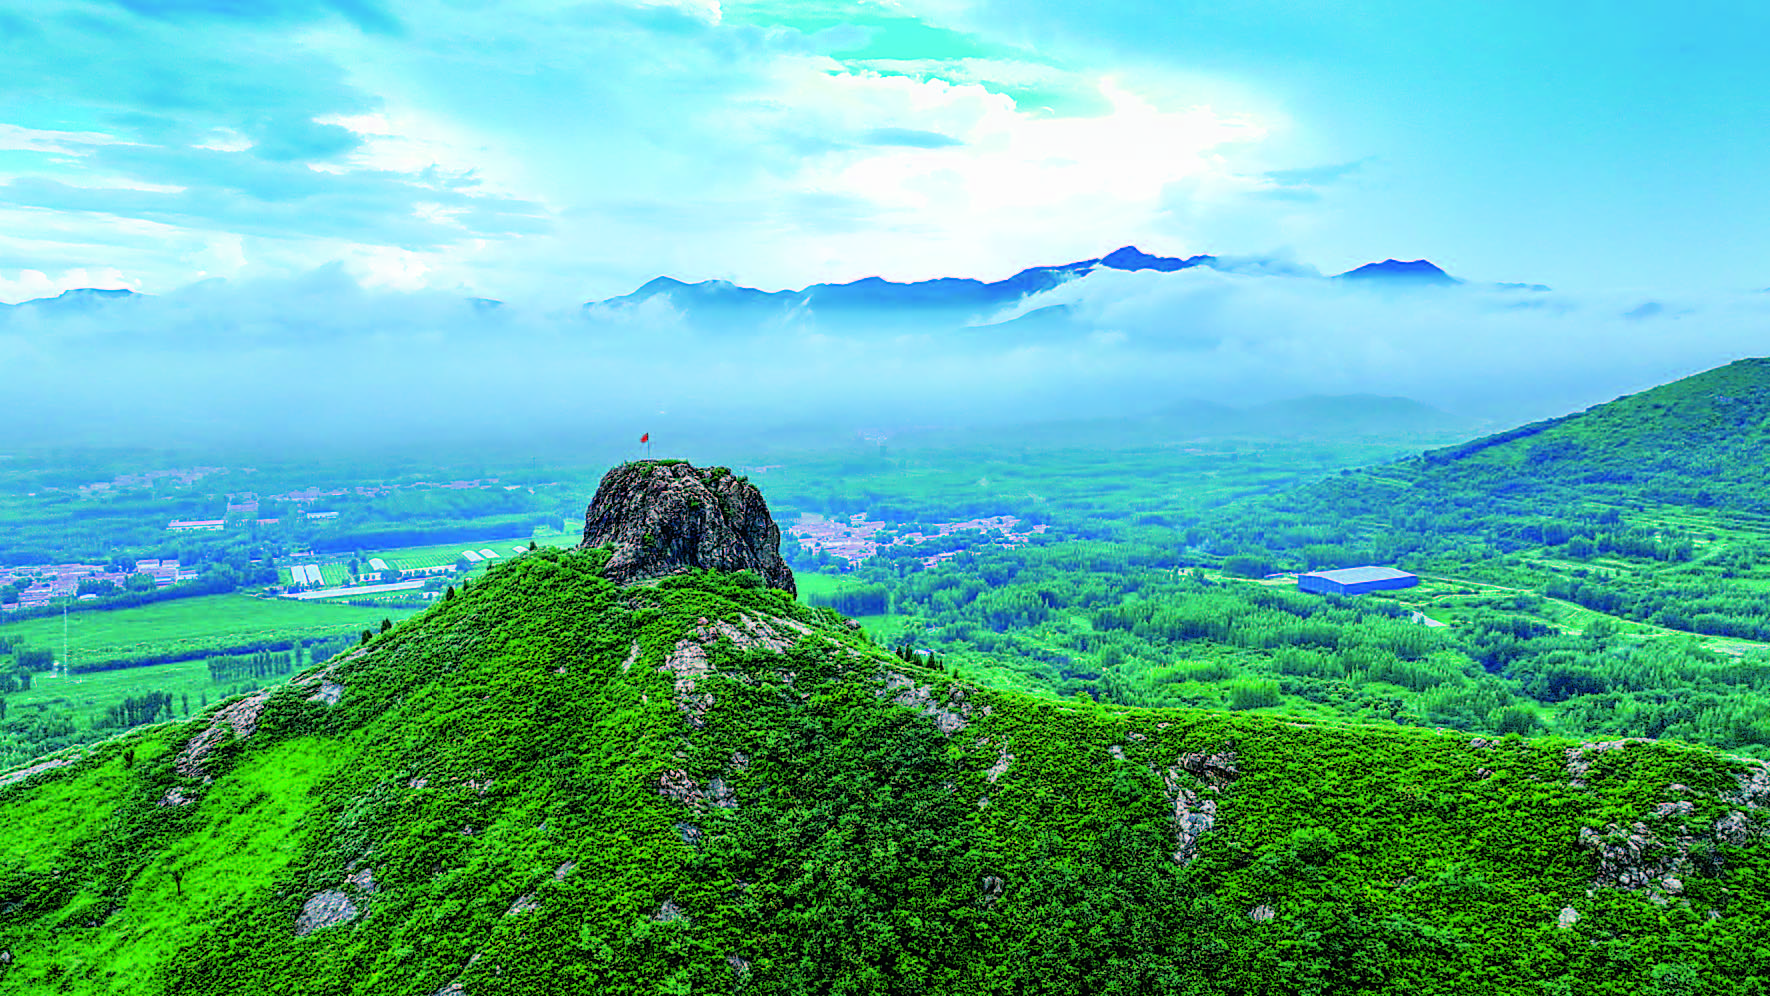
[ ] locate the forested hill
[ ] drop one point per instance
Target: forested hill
(1699, 441)
(551, 784)
(1579, 486)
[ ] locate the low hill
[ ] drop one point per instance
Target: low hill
(553, 783)
(1653, 507)
(1698, 441)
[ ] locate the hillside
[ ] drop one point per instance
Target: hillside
(1699, 441)
(1670, 475)
(552, 783)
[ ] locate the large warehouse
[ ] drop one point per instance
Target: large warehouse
(1355, 580)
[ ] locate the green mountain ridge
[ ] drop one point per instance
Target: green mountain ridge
(1649, 477)
(553, 784)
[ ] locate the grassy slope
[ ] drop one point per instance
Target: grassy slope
(497, 748)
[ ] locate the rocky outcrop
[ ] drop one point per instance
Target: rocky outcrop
(661, 517)
(1186, 785)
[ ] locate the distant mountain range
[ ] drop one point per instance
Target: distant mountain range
(876, 299)
(78, 299)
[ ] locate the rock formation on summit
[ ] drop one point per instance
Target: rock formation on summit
(664, 516)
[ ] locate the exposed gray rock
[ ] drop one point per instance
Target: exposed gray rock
(1195, 813)
(664, 517)
(669, 912)
(1733, 828)
(240, 719)
(38, 768)
(995, 771)
(560, 873)
(723, 795)
(1579, 757)
(175, 797)
(1567, 918)
(685, 663)
(949, 715)
(1754, 785)
(329, 692)
(525, 903)
(679, 786)
(1262, 913)
(327, 909)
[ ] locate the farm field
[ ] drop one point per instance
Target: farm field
(337, 570)
(194, 623)
(84, 697)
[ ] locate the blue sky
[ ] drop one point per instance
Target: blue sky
(552, 152)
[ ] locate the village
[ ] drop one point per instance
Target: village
(856, 538)
(38, 585)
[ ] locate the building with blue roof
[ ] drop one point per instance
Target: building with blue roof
(1355, 580)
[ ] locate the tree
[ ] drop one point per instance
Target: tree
(386, 624)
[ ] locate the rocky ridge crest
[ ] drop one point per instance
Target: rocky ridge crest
(665, 516)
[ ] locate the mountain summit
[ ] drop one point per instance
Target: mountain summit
(663, 517)
(1413, 271)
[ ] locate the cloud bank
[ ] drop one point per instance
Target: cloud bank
(323, 359)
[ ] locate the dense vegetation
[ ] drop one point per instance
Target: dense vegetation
(1578, 600)
(1130, 760)
(515, 792)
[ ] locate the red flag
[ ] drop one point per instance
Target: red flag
(645, 438)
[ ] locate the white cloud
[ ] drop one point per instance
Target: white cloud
(25, 285)
(18, 138)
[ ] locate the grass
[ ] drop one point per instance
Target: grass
(816, 585)
(265, 805)
(193, 623)
(85, 697)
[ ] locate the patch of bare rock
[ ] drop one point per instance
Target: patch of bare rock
(1195, 808)
(950, 712)
(238, 719)
(327, 909)
(37, 769)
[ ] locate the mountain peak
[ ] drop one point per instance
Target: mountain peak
(1415, 271)
(664, 516)
(1132, 258)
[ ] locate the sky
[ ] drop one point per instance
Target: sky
(312, 191)
(553, 152)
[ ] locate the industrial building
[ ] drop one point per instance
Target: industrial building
(1355, 580)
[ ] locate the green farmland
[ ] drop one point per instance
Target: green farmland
(62, 709)
(416, 558)
(197, 624)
